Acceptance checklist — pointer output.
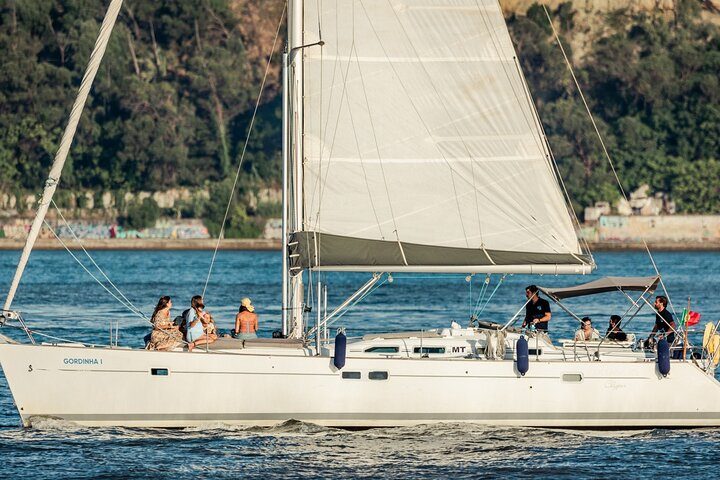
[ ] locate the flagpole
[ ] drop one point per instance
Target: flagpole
(685, 320)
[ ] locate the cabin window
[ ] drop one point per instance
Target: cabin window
(534, 351)
(378, 375)
(159, 371)
(351, 375)
(572, 377)
(429, 350)
(382, 350)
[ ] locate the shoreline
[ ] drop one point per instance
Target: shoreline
(146, 244)
(274, 244)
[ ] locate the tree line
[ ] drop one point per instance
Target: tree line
(653, 85)
(173, 98)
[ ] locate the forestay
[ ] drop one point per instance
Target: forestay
(421, 145)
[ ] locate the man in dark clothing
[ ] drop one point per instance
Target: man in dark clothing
(537, 310)
(664, 321)
(614, 332)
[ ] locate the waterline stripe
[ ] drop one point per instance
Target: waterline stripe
(430, 416)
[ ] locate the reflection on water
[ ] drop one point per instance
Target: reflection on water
(58, 296)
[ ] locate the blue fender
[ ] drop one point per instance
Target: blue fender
(523, 359)
(340, 350)
(663, 357)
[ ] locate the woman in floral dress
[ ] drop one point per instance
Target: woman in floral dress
(165, 335)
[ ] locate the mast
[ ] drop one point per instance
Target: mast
(64, 148)
(295, 156)
(285, 185)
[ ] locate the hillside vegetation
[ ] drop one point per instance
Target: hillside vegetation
(173, 98)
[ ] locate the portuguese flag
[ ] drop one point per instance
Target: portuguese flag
(690, 318)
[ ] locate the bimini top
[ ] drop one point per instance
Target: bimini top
(602, 285)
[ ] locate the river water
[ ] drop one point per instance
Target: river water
(61, 299)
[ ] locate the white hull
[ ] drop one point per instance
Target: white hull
(114, 387)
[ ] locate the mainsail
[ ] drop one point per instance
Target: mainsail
(421, 147)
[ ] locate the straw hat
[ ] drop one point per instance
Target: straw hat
(245, 302)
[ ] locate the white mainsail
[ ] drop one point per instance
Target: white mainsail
(421, 147)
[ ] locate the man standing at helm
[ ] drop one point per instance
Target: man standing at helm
(664, 321)
(537, 310)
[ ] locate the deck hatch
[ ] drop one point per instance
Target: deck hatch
(382, 349)
(429, 350)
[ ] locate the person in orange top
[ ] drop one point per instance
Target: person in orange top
(246, 321)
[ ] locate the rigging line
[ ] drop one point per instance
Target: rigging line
(358, 300)
(552, 164)
(481, 295)
(407, 94)
(319, 10)
(65, 143)
(582, 97)
(344, 96)
(324, 127)
(633, 304)
(445, 160)
(453, 124)
(53, 337)
(539, 136)
(604, 148)
(79, 242)
(377, 149)
(138, 313)
(496, 42)
(242, 155)
(657, 271)
(322, 185)
(492, 294)
(452, 171)
(362, 163)
(320, 141)
(486, 22)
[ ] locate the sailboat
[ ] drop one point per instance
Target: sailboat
(411, 144)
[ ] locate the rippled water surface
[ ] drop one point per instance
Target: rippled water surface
(59, 298)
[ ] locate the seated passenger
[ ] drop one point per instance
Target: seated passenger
(246, 321)
(586, 331)
(195, 321)
(209, 325)
(164, 335)
(614, 332)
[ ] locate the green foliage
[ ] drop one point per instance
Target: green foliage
(269, 210)
(173, 99)
(141, 215)
(169, 106)
(653, 87)
(241, 221)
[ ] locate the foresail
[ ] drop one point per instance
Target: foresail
(420, 141)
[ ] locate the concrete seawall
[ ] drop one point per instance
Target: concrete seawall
(261, 244)
(147, 244)
(661, 232)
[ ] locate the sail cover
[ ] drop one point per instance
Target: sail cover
(420, 142)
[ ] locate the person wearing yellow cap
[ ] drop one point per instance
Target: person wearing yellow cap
(246, 321)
